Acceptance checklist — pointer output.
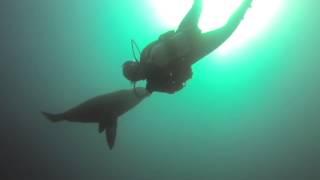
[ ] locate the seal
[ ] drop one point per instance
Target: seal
(104, 110)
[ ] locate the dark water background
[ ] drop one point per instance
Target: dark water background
(254, 120)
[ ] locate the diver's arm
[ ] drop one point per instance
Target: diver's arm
(223, 33)
(210, 41)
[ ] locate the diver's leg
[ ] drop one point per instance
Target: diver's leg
(190, 21)
(207, 42)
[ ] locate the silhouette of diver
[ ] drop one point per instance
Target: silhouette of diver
(165, 64)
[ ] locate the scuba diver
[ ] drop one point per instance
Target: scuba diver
(166, 63)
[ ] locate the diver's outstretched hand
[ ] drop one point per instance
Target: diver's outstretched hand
(240, 12)
(247, 3)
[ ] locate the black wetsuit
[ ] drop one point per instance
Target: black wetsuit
(185, 47)
(169, 78)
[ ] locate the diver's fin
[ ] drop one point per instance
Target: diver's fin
(53, 117)
(111, 132)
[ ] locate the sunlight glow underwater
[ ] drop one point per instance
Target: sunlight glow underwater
(216, 13)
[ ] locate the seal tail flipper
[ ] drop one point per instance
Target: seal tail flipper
(53, 117)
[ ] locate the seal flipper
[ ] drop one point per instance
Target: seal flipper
(111, 131)
(101, 127)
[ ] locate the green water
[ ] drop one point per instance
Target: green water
(254, 117)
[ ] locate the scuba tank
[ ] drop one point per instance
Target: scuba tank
(171, 77)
